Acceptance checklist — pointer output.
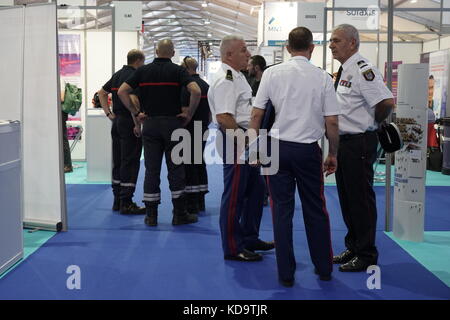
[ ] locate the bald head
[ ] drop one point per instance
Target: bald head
(165, 49)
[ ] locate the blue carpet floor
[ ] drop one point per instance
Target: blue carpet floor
(120, 258)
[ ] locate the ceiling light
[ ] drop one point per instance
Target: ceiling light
(413, 1)
(207, 21)
(209, 35)
(204, 4)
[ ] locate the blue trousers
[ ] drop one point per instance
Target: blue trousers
(241, 207)
(300, 165)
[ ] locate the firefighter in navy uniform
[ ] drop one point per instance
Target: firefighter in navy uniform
(196, 174)
(126, 138)
(160, 84)
(365, 102)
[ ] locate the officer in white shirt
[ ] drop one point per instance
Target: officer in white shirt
(306, 108)
(229, 98)
(365, 101)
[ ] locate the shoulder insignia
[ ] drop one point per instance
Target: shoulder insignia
(362, 64)
(369, 75)
(229, 75)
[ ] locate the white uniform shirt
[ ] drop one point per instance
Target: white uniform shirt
(360, 88)
(302, 95)
(230, 94)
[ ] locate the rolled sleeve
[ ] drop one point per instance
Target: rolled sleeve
(108, 86)
(374, 91)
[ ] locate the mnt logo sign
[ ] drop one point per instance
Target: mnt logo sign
(274, 25)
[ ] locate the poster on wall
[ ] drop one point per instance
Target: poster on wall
(437, 80)
(395, 65)
(70, 63)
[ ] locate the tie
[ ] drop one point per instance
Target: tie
(338, 77)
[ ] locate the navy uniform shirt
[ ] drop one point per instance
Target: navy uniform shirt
(160, 84)
(202, 112)
(113, 86)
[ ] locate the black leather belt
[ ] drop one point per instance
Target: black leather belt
(356, 135)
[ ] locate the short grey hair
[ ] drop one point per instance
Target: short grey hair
(350, 31)
(227, 41)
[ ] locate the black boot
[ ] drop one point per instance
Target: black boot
(180, 214)
(192, 203)
(129, 207)
(201, 202)
(116, 204)
(151, 215)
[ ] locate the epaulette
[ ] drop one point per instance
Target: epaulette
(229, 75)
(362, 64)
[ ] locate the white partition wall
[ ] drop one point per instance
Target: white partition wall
(44, 190)
(11, 239)
(11, 35)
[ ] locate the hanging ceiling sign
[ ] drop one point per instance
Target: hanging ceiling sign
(311, 15)
(128, 15)
(363, 19)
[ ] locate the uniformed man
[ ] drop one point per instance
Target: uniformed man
(126, 138)
(298, 88)
(160, 84)
(242, 200)
(366, 102)
(196, 174)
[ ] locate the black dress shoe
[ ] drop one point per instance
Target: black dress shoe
(261, 246)
(323, 277)
(354, 265)
(344, 257)
(246, 256)
(287, 283)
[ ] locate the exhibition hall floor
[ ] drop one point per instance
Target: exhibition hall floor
(121, 258)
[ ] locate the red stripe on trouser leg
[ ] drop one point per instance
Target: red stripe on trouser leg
(324, 204)
(232, 209)
(271, 204)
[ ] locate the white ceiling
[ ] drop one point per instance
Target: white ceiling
(184, 21)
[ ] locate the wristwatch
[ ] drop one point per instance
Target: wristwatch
(108, 114)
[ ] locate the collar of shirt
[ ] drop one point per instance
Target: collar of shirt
(300, 58)
(236, 74)
(162, 60)
(350, 60)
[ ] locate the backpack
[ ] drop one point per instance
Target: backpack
(72, 99)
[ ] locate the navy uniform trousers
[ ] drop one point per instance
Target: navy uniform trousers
(127, 150)
(196, 173)
(156, 136)
(354, 179)
(300, 164)
(241, 206)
